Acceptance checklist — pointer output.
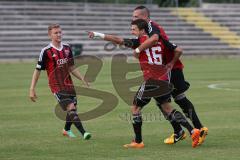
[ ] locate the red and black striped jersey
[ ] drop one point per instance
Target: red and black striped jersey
(57, 62)
(151, 60)
(155, 28)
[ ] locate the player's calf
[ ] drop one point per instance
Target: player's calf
(137, 126)
(188, 109)
(78, 124)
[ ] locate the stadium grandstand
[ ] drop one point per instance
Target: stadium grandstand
(206, 30)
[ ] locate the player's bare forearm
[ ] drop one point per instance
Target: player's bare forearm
(149, 42)
(35, 77)
(106, 37)
(75, 72)
(177, 55)
(114, 39)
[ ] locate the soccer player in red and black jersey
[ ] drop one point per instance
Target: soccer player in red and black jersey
(57, 60)
(155, 81)
(177, 76)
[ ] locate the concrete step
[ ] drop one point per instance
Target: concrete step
(83, 37)
(23, 27)
(95, 43)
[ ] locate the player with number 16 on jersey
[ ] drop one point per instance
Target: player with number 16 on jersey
(155, 80)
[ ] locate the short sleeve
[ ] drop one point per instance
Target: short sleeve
(131, 43)
(153, 29)
(41, 65)
(163, 33)
(169, 45)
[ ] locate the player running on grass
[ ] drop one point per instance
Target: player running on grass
(151, 64)
(177, 77)
(57, 60)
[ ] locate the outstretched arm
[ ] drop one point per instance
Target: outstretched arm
(131, 43)
(35, 77)
(106, 37)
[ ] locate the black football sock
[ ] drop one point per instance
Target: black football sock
(178, 117)
(68, 123)
(137, 126)
(189, 111)
(176, 127)
(76, 121)
(179, 135)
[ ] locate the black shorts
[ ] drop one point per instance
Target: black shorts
(64, 99)
(178, 81)
(159, 90)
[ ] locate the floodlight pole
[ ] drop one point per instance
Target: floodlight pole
(177, 4)
(200, 3)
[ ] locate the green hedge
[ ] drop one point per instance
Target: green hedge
(221, 1)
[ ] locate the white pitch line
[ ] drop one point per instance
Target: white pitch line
(218, 87)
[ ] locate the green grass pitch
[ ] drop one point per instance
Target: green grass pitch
(31, 131)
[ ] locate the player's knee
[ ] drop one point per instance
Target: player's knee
(135, 109)
(73, 114)
(167, 108)
(71, 106)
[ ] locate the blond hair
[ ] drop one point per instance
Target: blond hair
(51, 26)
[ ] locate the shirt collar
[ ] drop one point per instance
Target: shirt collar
(59, 49)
